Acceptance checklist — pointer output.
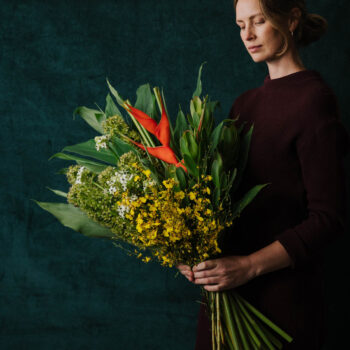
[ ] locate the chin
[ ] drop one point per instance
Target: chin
(257, 58)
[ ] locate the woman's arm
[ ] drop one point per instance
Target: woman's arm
(232, 271)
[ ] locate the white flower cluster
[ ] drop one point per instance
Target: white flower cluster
(121, 177)
(122, 209)
(101, 141)
(80, 172)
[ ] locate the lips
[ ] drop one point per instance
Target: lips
(254, 47)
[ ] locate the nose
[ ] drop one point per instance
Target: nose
(248, 33)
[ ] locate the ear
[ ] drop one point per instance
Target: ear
(294, 18)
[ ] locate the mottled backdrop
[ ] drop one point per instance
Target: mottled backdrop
(61, 290)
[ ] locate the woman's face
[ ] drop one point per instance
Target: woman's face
(255, 30)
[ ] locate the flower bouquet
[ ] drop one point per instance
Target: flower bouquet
(165, 194)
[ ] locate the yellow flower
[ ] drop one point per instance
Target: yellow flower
(147, 172)
(192, 196)
(168, 183)
(136, 178)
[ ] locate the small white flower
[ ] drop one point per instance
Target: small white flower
(112, 190)
(122, 209)
(101, 141)
(79, 174)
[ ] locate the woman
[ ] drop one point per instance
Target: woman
(274, 255)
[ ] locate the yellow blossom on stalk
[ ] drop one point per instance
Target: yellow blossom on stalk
(192, 196)
(147, 172)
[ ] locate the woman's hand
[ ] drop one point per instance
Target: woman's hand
(186, 271)
(223, 273)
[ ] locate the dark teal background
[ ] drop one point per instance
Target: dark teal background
(61, 290)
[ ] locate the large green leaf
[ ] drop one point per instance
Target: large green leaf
(115, 94)
(216, 170)
(247, 198)
(145, 100)
(92, 116)
(191, 165)
(181, 176)
(120, 147)
(111, 108)
(181, 125)
(89, 164)
(88, 149)
(192, 145)
(72, 217)
(198, 90)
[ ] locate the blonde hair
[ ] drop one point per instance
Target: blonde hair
(310, 28)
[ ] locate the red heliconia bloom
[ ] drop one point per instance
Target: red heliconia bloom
(164, 153)
(161, 131)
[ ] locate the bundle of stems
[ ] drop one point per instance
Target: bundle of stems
(237, 325)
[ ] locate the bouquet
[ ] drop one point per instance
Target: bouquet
(165, 194)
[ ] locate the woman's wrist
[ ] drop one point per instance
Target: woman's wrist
(270, 258)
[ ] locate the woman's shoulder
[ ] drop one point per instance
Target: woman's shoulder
(243, 99)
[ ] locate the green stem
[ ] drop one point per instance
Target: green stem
(212, 312)
(218, 340)
(239, 325)
(253, 323)
(227, 337)
(99, 186)
(229, 322)
(253, 337)
(273, 339)
(263, 318)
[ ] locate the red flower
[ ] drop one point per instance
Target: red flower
(161, 131)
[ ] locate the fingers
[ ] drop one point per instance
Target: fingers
(205, 265)
(214, 288)
(186, 271)
(207, 280)
(183, 267)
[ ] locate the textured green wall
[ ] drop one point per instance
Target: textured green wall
(58, 289)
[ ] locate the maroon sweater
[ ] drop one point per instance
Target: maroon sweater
(298, 144)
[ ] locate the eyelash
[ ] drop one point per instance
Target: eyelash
(257, 23)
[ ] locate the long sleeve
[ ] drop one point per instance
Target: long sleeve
(320, 149)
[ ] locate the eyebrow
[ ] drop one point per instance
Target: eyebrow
(252, 16)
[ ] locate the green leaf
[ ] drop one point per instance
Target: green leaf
(191, 166)
(216, 170)
(89, 164)
(62, 171)
(184, 146)
(181, 125)
(92, 116)
(120, 147)
(115, 94)
(58, 192)
(145, 100)
(198, 90)
(192, 145)
(246, 199)
(72, 217)
(181, 176)
(111, 108)
(88, 149)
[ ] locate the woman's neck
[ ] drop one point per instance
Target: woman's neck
(289, 63)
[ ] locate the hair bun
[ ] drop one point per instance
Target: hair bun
(311, 28)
